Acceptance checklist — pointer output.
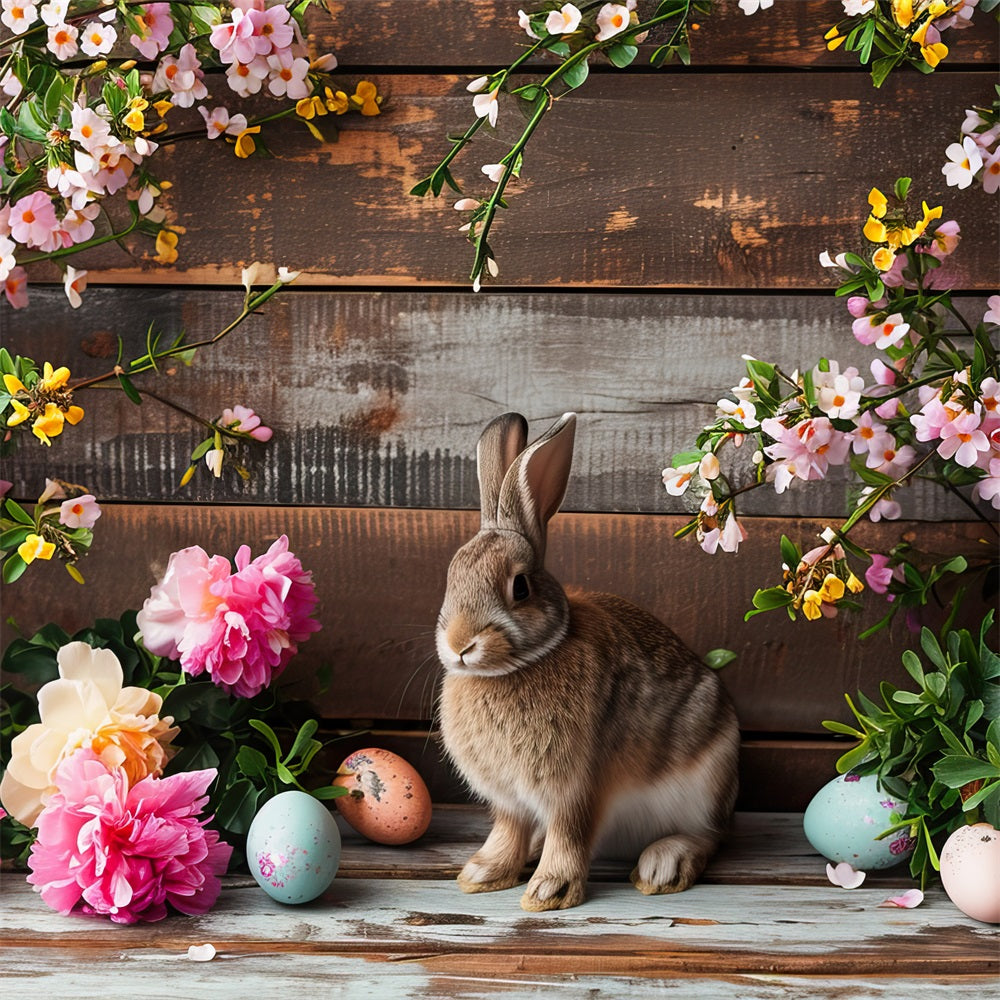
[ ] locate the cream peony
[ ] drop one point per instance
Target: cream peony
(85, 707)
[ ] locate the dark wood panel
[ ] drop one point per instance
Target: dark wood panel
(623, 185)
(385, 33)
(378, 399)
(380, 578)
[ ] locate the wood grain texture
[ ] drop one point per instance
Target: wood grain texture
(67, 973)
(380, 577)
(385, 33)
(378, 399)
(710, 930)
(622, 186)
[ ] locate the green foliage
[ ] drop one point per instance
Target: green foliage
(260, 746)
(937, 747)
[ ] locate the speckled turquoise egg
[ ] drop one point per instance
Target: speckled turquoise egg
(847, 814)
(293, 847)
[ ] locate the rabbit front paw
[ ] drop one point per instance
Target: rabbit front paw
(553, 891)
(479, 875)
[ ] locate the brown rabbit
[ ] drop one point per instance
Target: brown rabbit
(583, 721)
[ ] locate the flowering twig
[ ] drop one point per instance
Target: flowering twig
(572, 34)
(933, 413)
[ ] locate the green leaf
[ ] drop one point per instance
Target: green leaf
(955, 771)
(251, 762)
(13, 537)
(790, 554)
(881, 68)
(902, 187)
(268, 733)
(913, 666)
(326, 792)
(13, 568)
(622, 55)
(238, 806)
(129, 389)
(718, 658)
(576, 75)
(302, 740)
(18, 513)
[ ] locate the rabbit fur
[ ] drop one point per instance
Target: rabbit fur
(584, 722)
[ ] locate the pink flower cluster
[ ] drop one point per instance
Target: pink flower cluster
(261, 45)
(242, 627)
(62, 215)
(977, 154)
(968, 432)
(123, 852)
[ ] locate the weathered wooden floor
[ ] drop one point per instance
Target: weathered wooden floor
(765, 923)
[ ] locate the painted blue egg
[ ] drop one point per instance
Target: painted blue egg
(847, 814)
(293, 847)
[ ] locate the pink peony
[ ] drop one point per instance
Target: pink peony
(240, 628)
(126, 852)
(265, 612)
(183, 601)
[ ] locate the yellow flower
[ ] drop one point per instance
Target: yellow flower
(21, 413)
(49, 424)
(162, 107)
(53, 379)
(245, 146)
(310, 107)
(85, 707)
(338, 103)
(14, 385)
(902, 12)
(811, 605)
(166, 247)
(134, 120)
(35, 547)
(366, 97)
(73, 415)
(934, 53)
(854, 585)
(878, 202)
(875, 230)
(832, 589)
(835, 42)
(883, 258)
(138, 104)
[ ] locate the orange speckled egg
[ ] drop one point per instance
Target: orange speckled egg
(389, 802)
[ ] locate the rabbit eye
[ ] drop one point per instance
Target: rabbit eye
(519, 588)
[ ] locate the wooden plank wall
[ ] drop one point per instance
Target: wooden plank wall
(666, 222)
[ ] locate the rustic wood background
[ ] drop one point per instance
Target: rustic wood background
(666, 222)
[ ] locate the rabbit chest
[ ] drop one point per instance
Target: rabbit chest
(518, 739)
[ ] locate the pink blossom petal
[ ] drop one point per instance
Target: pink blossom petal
(906, 900)
(844, 875)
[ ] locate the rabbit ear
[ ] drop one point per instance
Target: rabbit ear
(535, 484)
(499, 445)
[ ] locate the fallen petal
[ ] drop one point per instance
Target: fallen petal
(845, 876)
(201, 952)
(906, 900)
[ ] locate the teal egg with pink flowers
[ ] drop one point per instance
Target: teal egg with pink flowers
(293, 847)
(847, 814)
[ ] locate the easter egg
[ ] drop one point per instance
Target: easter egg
(847, 814)
(970, 871)
(293, 847)
(388, 801)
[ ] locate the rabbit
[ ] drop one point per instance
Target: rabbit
(583, 722)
